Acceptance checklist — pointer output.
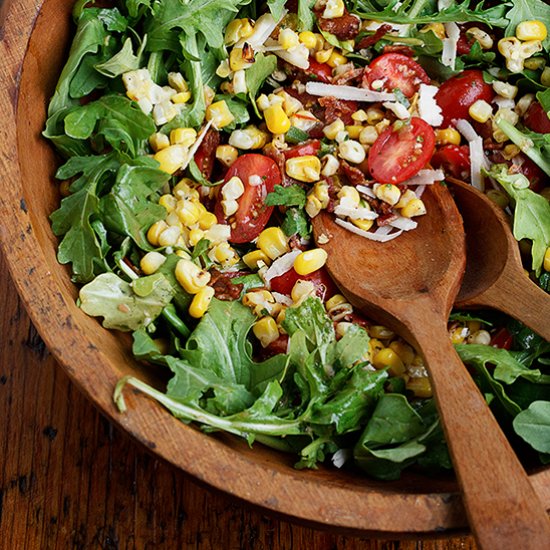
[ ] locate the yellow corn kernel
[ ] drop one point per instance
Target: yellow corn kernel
(308, 39)
(248, 138)
(330, 165)
(354, 131)
(151, 262)
(323, 56)
(226, 154)
(333, 9)
(232, 34)
(288, 39)
(207, 220)
(404, 351)
(333, 129)
(237, 60)
(258, 298)
(437, 28)
(546, 261)
(352, 151)
(301, 290)
(387, 358)
(479, 337)
(368, 135)
(168, 201)
(309, 261)
(484, 38)
(201, 301)
(359, 116)
(153, 233)
(516, 52)
(387, 193)
(374, 115)
(306, 168)
(458, 334)
(313, 205)
(172, 219)
(448, 136)
(171, 158)
(183, 136)
(350, 195)
(158, 141)
(365, 225)
(473, 326)
(336, 59)
(276, 119)
(334, 301)
(219, 114)
(181, 97)
(480, 111)
(414, 207)
(273, 242)
(320, 190)
(266, 330)
(420, 386)
(374, 347)
(407, 196)
(504, 89)
(223, 254)
(170, 236)
(531, 30)
(253, 259)
(190, 276)
(195, 235)
(185, 189)
(381, 332)
(188, 212)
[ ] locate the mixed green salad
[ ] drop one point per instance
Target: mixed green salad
(198, 140)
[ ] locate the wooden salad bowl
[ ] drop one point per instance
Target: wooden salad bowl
(34, 43)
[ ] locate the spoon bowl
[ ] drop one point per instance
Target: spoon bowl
(410, 284)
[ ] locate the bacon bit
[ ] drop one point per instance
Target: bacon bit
(248, 53)
(369, 41)
(385, 219)
(338, 108)
(344, 28)
(353, 174)
(395, 48)
(224, 288)
(348, 77)
(294, 242)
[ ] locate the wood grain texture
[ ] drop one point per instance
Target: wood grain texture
(71, 480)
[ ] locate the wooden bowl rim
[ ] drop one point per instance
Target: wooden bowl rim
(356, 508)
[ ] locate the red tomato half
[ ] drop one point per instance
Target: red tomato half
(206, 153)
(536, 119)
(319, 71)
(454, 160)
(398, 154)
(459, 93)
(396, 70)
(311, 147)
(502, 339)
(252, 215)
(325, 287)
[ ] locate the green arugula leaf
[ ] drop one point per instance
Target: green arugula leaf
(293, 195)
(306, 17)
(276, 7)
(533, 425)
(255, 76)
(123, 61)
(296, 222)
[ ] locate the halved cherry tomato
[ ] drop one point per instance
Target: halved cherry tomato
(457, 95)
(206, 153)
(536, 119)
(310, 147)
(502, 339)
(253, 214)
(278, 346)
(396, 70)
(454, 159)
(400, 152)
(325, 287)
(320, 71)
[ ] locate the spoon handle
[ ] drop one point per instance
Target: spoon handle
(503, 508)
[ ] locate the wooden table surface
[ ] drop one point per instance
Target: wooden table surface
(70, 479)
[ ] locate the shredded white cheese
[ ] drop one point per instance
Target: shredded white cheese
(428, 109)
(398, 109)
(347, 92)
(425, 177)
(377, 235)
(195, 146)
(406, 224)
(478, 160)
(281, 265)
(448, 55)
(355, 213)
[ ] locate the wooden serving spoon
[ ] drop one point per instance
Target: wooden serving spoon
(410, 284)
(494, 274)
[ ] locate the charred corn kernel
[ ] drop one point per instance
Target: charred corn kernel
(387, 358)
(387, 193)
(340, 312)
(273, 242)
(168, 201)
(171, 158)
(531, 30)
(351, 196)
(301, 290)
(480, 111)
(330, 165)
(504, 89)
(306, 168)
(420, 386)
(239, 59)
(333, 9)
(201, 302)
(308, 39)
(407, 196)
(158, 141)
(336, 300)
(448, 136)
(414, 207)
(207, 220)
(153, 233)
(354, 131)
(188, 212)
(185, 189)
(333, 129)
(195, 235)
(276, 119)
(404, 351)
(248, 138)
(190, 276)
(266, 330)
(226, 154)
(368, 135)
(310, 260)
(233, 188)
(181, 97)
(219, 114)
(381, 332)
(484, 38)
(170, 236)
(479, 337)
(546, 261)
(374, 347)
(313, 206)
(336, 59)
(498, 197)
(322, 56)
(352, 151)
(151, 262)
(365, 225)
(437, 28)
(516, 52)
(288, 39)
(255, 258)
(183, 136)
